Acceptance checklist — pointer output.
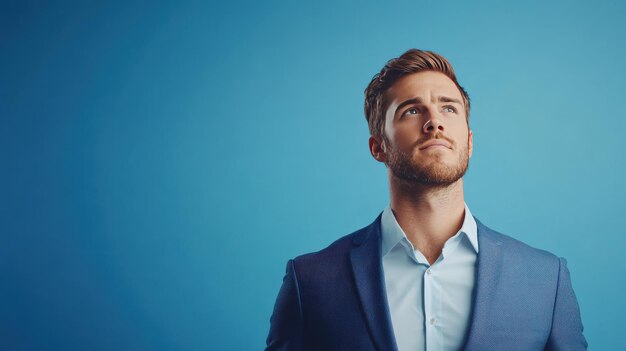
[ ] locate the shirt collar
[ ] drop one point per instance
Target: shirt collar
(392, 234)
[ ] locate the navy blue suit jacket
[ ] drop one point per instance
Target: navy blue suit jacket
(335, 299)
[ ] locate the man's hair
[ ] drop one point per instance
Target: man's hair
(412, 61)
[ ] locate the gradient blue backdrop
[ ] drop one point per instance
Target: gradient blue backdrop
(162, 161)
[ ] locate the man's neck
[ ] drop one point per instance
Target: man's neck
(428, 215)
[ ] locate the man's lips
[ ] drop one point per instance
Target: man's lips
(435, 143)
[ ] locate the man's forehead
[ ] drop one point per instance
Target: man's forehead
(419, 83)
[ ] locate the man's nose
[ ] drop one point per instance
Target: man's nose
(433, 125)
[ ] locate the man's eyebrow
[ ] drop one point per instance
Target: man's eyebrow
(414, 100)
(449, 99)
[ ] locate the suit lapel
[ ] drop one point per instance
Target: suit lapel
(369, 281)
(487, 276)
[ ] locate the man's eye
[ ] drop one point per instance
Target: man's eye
(450, 109)
(412, 111)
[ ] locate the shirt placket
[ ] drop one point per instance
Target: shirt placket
(432, 310)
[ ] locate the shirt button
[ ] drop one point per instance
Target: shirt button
(428, 271)
(432, 321)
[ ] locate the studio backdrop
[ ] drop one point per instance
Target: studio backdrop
(161, 162)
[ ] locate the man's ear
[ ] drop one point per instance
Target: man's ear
(470, 143)
(377, 148)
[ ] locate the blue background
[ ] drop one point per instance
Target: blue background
(162, 161)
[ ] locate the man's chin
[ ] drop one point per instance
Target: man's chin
(437, 175)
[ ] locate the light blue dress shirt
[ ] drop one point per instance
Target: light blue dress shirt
(430, 306)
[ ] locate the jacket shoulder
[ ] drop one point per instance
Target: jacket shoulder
(338, 250)
(514, 247)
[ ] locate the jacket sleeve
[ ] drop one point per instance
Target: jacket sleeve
(286, 322)
(567, 327)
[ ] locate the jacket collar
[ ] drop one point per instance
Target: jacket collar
(367, 268)
(488, 268)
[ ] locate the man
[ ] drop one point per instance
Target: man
(426, 274)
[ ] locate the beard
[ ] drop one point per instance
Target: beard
(432, 172)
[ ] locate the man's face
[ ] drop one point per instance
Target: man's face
(426, 137)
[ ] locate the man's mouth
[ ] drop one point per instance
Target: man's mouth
(435, 143)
